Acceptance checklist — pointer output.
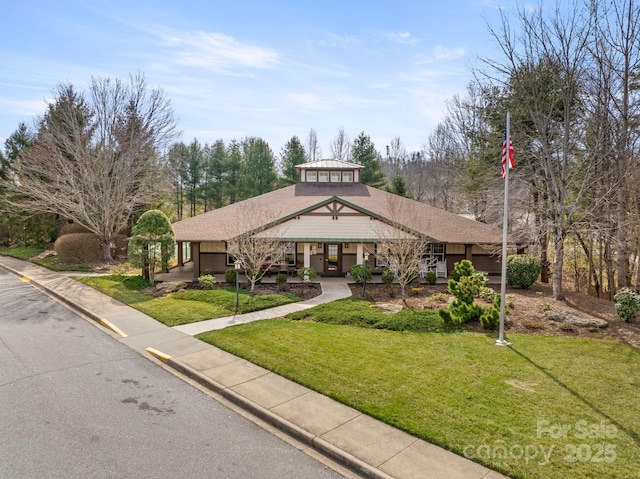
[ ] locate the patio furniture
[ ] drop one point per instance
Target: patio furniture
(428, 264)
(441, 269)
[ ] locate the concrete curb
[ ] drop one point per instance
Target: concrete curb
(317, 443)
(68, 303)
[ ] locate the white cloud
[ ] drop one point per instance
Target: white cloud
(339, 41)
(219, 51)
(403, 38)
(440, 53)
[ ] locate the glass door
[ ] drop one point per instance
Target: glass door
(332, 260)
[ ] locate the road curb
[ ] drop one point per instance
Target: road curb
(67, 302)
(315, 442)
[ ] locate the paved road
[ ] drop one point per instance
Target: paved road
(75, 403)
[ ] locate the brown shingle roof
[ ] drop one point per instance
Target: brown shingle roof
(227, 222)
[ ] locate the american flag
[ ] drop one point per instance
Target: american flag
(504, 154)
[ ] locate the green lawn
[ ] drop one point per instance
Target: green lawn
(53, 262)
(22, 252)
(459, 390)
(188, 306)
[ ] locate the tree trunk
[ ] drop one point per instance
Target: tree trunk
(558, 261)
(106, 252)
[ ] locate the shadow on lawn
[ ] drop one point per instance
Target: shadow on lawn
(631, 433)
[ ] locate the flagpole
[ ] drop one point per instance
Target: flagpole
(505, 233)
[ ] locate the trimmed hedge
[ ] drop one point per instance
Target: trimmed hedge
(78, 248)
(523, 270)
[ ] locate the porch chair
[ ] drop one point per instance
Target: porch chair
(441, 269)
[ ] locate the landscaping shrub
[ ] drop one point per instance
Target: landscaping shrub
(281, 281)
(207, 281)
(387, 278)
(627, 304)
(356, 312)
(358, 273)
(306, 274)
(430, 277)
(206, 271)
(78, 248)
(522, 270)
(71, 228)
(230, 276)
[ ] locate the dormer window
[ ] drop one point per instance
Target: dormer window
(335, 177)
(347, 176)
(323, 176)
(312, 176)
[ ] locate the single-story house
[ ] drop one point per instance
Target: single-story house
(330, 221)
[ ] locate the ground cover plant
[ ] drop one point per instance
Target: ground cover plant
(182, 307)
(500, 406)
(354, 311)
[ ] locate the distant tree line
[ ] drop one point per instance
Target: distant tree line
(569, 76)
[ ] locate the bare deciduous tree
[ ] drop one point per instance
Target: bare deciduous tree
(340, 146)
(400, 249)
(96, 156)
(254, 251)
(312, 149)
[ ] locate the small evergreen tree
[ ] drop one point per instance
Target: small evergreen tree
(152, 243)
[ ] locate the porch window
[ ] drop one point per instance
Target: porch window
(435, 250)
(290, 254)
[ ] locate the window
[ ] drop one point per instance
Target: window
(312, 176)
(379, 254)
(436, 250)
(335, 177)
(347, 176)
(290, 254)
(231, 260)
(323, 176)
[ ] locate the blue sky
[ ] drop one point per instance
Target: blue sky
(271, 69)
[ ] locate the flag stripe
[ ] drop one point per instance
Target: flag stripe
(504, 154)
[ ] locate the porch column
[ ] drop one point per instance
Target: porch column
(359, 253)
(195, 257)
(180, 254)
(307, 254)
(468, 252)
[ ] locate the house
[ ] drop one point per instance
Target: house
(330, 221)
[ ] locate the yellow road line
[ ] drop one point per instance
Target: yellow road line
(26, 279)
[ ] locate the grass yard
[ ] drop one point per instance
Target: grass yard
(184, 307)
(545, 407)
(22, 252)
(53, 262)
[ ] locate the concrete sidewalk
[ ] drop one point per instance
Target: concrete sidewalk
(364, 445)
(332, 289)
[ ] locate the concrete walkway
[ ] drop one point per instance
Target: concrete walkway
(332, 289)
(366, 446)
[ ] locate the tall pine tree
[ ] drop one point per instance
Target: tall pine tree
(363, 152)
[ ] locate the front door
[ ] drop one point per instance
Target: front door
(332, 260)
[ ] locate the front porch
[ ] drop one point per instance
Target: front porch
(185, 273)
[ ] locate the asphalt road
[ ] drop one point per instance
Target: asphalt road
(76, 403)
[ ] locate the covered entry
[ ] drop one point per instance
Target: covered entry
(333, 259)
